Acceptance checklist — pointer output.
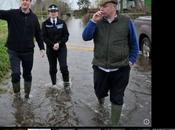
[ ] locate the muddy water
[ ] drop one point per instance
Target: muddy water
(49, 106)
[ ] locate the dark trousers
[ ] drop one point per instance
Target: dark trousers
(27, 64)
(61, 56)
(115, 82)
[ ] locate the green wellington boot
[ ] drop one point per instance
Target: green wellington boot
(115, 114)
(27, 88)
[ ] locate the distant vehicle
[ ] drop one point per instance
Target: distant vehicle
(143, 28)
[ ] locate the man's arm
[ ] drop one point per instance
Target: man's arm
(38, 35)
(89, 31)
(5, 14)
(133, 41)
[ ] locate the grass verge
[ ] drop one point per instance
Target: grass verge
(4, 61)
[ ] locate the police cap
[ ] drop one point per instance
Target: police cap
(53, 8)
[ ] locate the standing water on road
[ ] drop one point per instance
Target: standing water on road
(51, 107)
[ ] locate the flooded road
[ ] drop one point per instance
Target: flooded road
(53, 107)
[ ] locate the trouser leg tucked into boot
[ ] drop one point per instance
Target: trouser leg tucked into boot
(66, 85)
(66, 82)
(115, 114)
(53, 78)
(101, 101)
(27, 88)
(16, 89)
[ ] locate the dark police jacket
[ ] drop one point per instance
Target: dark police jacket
(53, 34)
(22, 28)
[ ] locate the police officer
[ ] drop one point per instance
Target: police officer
(55, 35)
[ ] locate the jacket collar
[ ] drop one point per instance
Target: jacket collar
(58, 20)
(30, 11)
(114, 20)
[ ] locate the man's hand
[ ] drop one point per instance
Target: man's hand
(97, 16)
(56, 46)
(42, 53)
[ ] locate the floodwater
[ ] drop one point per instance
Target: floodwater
(53, 107)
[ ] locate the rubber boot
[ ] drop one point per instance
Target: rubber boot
(115, 114)
(16, 89)
(27, 88)
(66, 86)
(101, 101)
(53, 78)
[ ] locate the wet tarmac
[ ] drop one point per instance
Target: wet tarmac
(53, 107)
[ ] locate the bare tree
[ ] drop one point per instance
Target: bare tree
(139, 4)
(83, 4)
(41, 6)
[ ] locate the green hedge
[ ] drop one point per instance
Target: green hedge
(148, 5)
(4, 61)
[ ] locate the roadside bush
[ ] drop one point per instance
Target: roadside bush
(4, 61)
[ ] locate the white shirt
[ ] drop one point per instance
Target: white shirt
(112, 19)
(108, 70)
(51, 20)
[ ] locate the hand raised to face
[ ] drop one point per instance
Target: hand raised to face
(97, 16)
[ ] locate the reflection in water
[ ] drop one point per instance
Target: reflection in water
(101, 115)
(91, 114)
(75, 28)
(144, 64)
(62, 108)
(23, 114)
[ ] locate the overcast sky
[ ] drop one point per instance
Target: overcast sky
(8, 4)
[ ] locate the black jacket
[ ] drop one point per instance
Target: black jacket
(22, 28)
(53, 34)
